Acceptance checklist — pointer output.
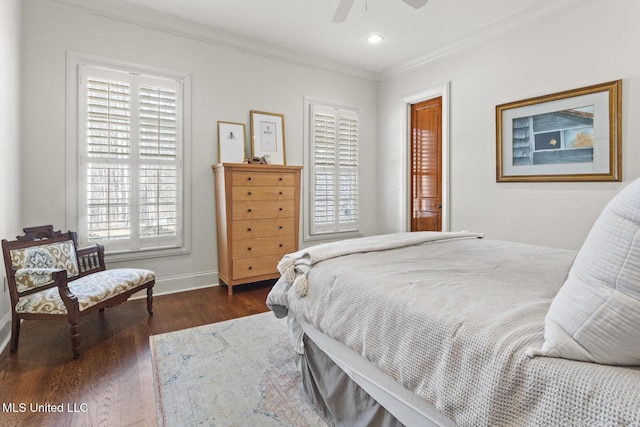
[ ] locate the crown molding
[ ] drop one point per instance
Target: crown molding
(136, 15)
(133, 14)
(500, 28)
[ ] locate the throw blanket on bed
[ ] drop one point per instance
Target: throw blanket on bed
(294, 267)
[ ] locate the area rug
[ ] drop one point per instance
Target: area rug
(240, 372)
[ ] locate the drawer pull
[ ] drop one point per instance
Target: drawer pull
(249, 193)
(250, 268)
(248, 178)
(280, 227)
(248, 229)
(280, 209)
(249, 210)
(281, 245)
(280, 179)
(249, 248)
(280, 193)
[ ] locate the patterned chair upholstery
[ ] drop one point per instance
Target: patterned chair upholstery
(49, 278)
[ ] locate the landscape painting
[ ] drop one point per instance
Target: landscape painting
(567, 136)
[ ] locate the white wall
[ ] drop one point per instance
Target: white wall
(226, 84)
(593, 44)
(10, 19)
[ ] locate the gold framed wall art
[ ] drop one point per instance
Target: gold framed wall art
(267, 137)
(573, 135)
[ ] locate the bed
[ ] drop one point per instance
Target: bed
(445, 329)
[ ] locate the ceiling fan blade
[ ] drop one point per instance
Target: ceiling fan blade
(416, 4)
(343, 10)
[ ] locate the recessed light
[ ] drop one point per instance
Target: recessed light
(374, 38)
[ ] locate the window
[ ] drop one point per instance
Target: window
(333, 170)
(130, 159)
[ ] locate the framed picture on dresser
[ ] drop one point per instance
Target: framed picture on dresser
(231, 142)
(267, 137)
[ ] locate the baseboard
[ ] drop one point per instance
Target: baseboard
(185, 282)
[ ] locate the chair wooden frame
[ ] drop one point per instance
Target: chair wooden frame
(90, 260)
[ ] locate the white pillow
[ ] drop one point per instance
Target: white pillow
(596, 314)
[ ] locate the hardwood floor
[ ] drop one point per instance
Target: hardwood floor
(111, 384)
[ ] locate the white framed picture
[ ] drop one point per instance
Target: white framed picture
(231, 142)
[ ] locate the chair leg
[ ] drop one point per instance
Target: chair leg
(15, 332)
(150, 300)
(75, 339)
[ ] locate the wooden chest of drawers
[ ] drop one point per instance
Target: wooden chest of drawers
(257, 217)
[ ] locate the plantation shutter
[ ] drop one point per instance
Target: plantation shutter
(131, 159)
(158, 184)
(334, 139)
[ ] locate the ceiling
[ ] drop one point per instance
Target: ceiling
(411, 36)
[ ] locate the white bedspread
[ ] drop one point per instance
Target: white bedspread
(451, 322)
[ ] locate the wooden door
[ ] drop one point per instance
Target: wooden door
(426, 165)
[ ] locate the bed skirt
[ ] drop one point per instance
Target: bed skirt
(337, 398)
